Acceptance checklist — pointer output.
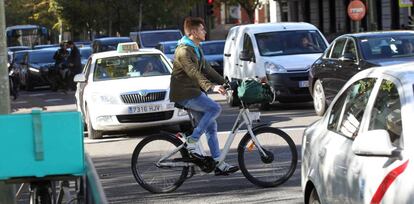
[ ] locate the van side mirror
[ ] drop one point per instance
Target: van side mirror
(374, 143)
(245, 56)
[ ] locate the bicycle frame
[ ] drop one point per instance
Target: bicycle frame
(244, 118)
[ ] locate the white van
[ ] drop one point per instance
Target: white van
(282, 53)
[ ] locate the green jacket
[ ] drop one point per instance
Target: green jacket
(190, 76)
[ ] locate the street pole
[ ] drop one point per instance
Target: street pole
(6, 190)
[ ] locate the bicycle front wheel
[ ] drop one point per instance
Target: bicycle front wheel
(274, 168)
(149, 171)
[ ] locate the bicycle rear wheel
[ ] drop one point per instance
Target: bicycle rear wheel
(269, 171)
(40, 192)
(155, 178)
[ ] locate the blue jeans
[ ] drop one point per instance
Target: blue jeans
(205, 112)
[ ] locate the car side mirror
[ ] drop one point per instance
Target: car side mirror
(245, 56)
(374, 143)
(348, 57)
(79, 78)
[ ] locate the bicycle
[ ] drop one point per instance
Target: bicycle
(175, 164)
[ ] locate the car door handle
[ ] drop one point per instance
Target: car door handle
(227, 55)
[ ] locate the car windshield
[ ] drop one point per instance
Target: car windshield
(42, 57)
(169, 48)
(216, 48)
(151, 39)
(290, 43)
(131, 66)
(387, 47)
(18, 57)
(85, 52)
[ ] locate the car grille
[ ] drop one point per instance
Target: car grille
(145, 117)
(138, 98)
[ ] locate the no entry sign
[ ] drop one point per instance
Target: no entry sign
(356, 10)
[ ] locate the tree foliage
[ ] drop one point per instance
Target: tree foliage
(105, 17)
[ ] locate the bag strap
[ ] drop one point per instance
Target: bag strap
(37, 133)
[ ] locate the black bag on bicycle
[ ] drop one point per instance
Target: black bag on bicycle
(251, 91)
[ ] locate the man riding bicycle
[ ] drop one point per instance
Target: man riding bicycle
(191, 78)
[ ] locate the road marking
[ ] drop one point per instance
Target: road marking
(40, 94)
(53, 100)
(20, 102)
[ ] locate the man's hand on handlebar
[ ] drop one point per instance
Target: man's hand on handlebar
(220, 89)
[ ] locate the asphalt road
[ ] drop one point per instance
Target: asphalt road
(112, 156)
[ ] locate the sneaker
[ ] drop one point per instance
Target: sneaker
(193, 148)
(225, 169)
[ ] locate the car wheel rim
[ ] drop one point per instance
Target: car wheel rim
(318, 97)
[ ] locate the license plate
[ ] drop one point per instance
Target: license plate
(144, 109)
(304, 84)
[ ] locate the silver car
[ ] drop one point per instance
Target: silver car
(359, 151)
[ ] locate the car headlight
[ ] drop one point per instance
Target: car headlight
(104, 99)
(272, 68)
(214, 64)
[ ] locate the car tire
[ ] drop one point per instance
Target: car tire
(319, 98)
(92, 133)
(232, 98)
(314, 197)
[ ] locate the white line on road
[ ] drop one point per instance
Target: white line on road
(20, 102)
(39, 94)
(53, 100)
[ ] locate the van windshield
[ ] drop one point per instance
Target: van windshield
(151, 39)
(290, 43)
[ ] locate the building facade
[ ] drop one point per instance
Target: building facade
(330, 16)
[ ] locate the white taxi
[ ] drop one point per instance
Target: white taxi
(126, 89)
(360, 151)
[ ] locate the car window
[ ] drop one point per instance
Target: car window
(121, 67)
(290, 42)
(387, 47)
(247, 45)
(346, 114)
(42, 57)
(216, 48)
(350, 49)
(338, 48)
(86, 68)
(169, 48)
(386, 113)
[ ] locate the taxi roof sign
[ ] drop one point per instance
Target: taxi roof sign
(127, 47)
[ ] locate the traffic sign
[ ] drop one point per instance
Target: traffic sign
(356, 10)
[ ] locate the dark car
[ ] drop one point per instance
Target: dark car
(37, 47)
(17, 48)
(36, 68)
(85, 52)
(168, 48)
(351, 53)
(108, 43)
(150, 38)
(213, 53)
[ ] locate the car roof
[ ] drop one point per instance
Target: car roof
(158, 31)
(379, 33)
(274, 27)
(212, 41)
(404, 72)
(106, 54)
(168, 42)
(113, 39)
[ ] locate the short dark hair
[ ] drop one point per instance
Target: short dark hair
(191, 23)
(70, 42)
